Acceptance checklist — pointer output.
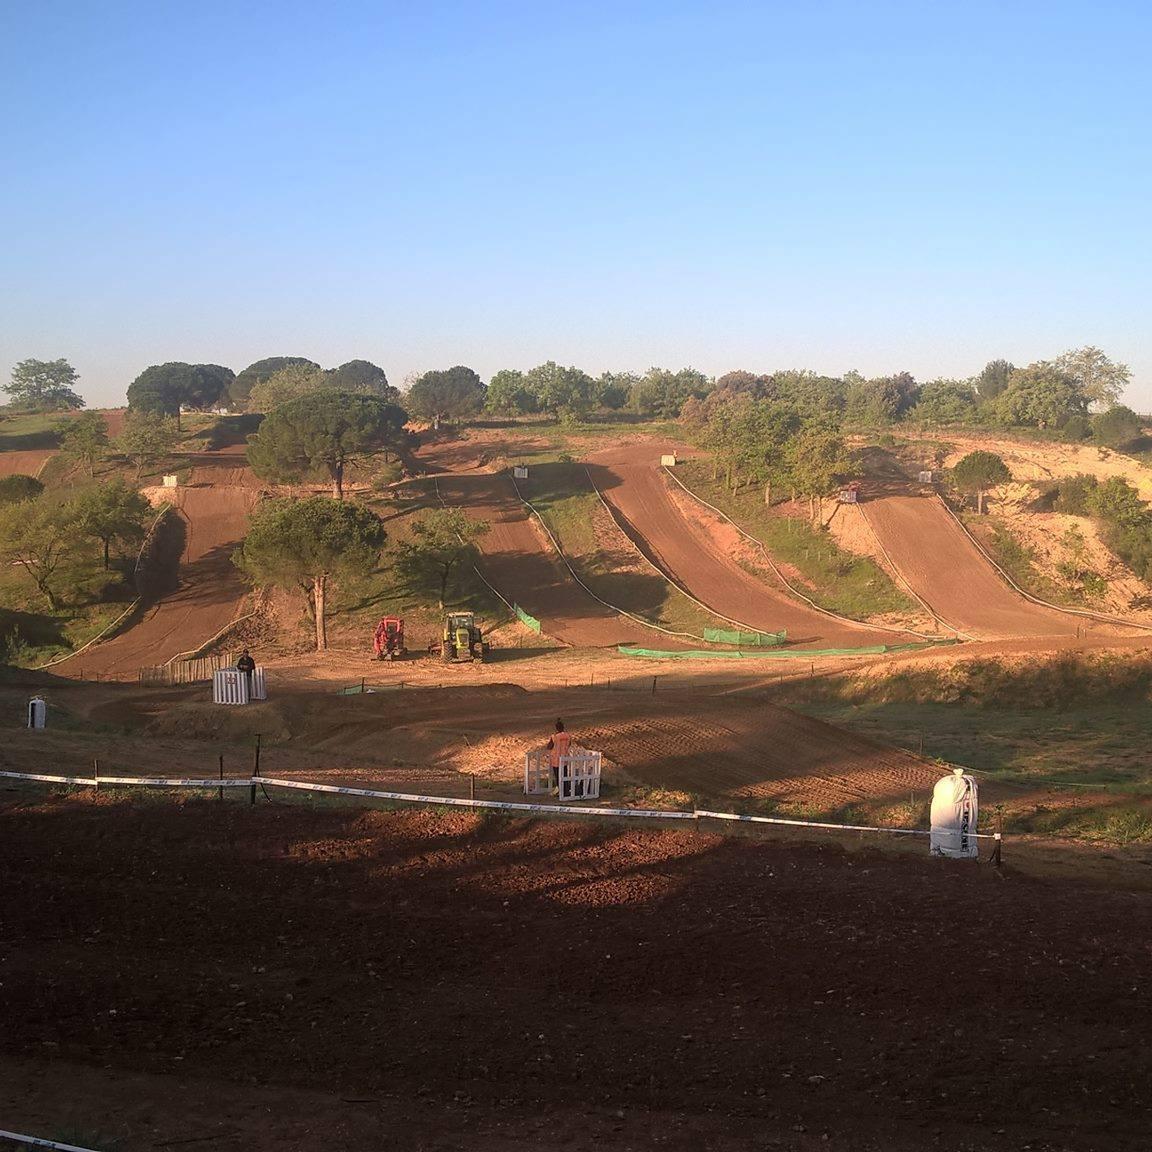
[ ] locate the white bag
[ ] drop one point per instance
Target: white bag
(954, 811)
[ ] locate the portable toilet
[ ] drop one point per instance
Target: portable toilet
(37, 712)
(954, 812)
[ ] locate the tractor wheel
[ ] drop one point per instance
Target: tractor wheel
(446, 652)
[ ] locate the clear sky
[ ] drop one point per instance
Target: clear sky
(832, 185)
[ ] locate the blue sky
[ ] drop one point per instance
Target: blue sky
(832, 185)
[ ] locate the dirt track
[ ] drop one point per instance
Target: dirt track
(522, 565)
(932, 553)
(24, 463)
(684, 550)
(214, 506)
(284, 979)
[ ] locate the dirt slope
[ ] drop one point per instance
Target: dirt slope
(26, 463)
(687, 553)
(523, 566)
(214, 506)
(948, 572)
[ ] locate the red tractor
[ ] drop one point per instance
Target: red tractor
(388, 639)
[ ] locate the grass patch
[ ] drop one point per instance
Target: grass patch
(853, 586)
(29, 431)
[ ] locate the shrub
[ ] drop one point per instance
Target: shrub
(17, 488)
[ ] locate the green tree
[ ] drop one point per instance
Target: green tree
(880, 402)
(364, 377)
(147, 438)
(612, 389)
(1100, 380)
(218, 380)
(816, 459)
(44, 386)
(662, 393)
(242, 385)
(560, 390)
(978, 472)
(324, 433)
(945, 402)
(305, 544)
(447, 395)
(288, 383)
(993, 379)
(509, 394)
(85, 438)
(1040, 396)
(441, 540)
(1116, 426)
(40, 537)
(113, 512)
(164, 389)
(18, 488)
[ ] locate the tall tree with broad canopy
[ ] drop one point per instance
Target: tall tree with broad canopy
(559, 390)
(323, 433)
(1041, 396)
(113, 512)
(993, 379)
(816, 459)
(288, 383)
(44, 386)
(945, 402)
(40, 537)
(447, 395)
(85, 438)
(509, 394)
(365, 377)
(242, 385)
(442, 539)
(166, 388)
(1101, 381)
(304, 544)
(881, 401)
(661, 392)
(978, 472)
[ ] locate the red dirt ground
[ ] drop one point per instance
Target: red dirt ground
(523, 566)
(215, 505)
(281, 978)
(24, 463)
(683, 549)
(932, 553)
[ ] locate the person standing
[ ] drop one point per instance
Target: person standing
(248, 666)
(559, 744)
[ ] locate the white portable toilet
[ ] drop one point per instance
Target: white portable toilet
(37, 712)
(954, 811)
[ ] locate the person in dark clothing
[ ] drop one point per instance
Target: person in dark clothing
(248, 666)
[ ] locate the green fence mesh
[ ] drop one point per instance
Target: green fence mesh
(745, 639)
(790, 654)
(526, 620)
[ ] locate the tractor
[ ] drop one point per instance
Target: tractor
(388, 639)
(462, 639)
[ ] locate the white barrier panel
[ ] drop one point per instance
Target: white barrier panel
(580, 775)
(668, 461)
(537, 772)
(954, 812)
(229, 687)
(520, 472)
(258, 689)
(37, 712)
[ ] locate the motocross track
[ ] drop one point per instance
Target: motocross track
(214, 506)
(286, 979)
(26, 463)
(682, 549)
(520, 562)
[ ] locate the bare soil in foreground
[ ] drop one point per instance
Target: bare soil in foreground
(279, 978)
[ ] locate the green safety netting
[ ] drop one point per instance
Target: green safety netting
(791, 654)
(746, 639)
(525, 619)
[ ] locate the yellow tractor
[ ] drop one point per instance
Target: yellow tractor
(462, 639)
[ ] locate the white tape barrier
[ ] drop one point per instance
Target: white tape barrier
(39, 1142)
(160, 782)
(502, 805)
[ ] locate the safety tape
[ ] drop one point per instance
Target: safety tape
(39, 1142)
(838, 827)
(454, 802)
(457, 802)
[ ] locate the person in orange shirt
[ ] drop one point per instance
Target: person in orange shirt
(558, 745)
